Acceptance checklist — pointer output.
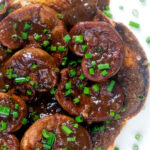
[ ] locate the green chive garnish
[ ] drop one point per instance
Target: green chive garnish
(16, 106)
(135, 147)
(15, 114)
(134, 24)
(34, 66)
(45, 31)
(112, 114)
(86, 91)
(79, 119)
(64, 61)
(111, 86)
(103, 66)
(32, 83)
(84, 47)
(108, 14)
(53, 48)
(46, 43)
(78, 38)
(99, 148)
(96, 87)
(37, 37)
(66, 129)
(148, 40)
(123, 109)
(2, 6)
(67, 38)
(117, 116)
(71, 139)
(82, 77)
(24, 35)
(93, 63)
(20, 79)
(72, 73)
(116, 148)
(76, 125)
(68, 85)
(107, 8)
(27, 26)
(24, 121)
(121, 7)
(92, 71)
(68, 92)
(3, 125)
(104, 73)
(61, 48)
(7, 87)
(73, 63)
(76, 100)
(138, 137)
(65, 148)
(9, 50)
(59, 16)
(29, 92)
(52, 91)
(102, 128)
(5, 110)
(88, 55)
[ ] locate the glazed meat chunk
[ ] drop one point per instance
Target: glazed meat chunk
(9, 142)
(30, 70)
(101, 48)
(57, 132)
(12, 111)
(36, 25)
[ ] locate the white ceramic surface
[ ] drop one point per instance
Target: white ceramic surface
(140, 123)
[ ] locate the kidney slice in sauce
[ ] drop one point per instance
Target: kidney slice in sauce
(100, 46)
(61, 130)
(30, 70)
(12, 111)
(93, 101)
(9, 142)
(36, 25)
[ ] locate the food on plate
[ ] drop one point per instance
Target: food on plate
(57, 132)
(12, 111)
(9, 142)
(30, 70)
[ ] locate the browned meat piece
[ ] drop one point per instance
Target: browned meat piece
(12, 111)
(30, 70)
(9, 142)
(75, 138)
(35, 25)
(102, 48)
(94, 103)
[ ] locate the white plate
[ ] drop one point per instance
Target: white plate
(140, 123)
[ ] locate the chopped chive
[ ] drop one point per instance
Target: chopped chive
(116, 148)
(20, 79)
(93, 63)
(9, 50)
(66, 129)
(34, 66)
(108, 14)
(86, 90)
(107, 8)
(142, 1)
(141, 97)
(72, 73)
(15, 25)
(46, 43)
(14, 36)
(46, 146)
(88, 55)
(76, 125)
(123, 109)
(135, 147)
(37, 37)
(61, 48)
(148, 40)
(24, 35)
(10, 11)
(64, 61)
(24, 121)
(121, 7)
(96, 87)
(111, 86)
(7, 87)
(45, 133)
(3, 147)
(112, 114)
(134, 24)
(27, 26)
(45, 31)
(138, 137)
(71, 139)
(32, 83)
(68, 92)
(5, 110)
(29, 92)
(53, 48)
(117, 116)
(84, 47)
(135, 12)
(107, 121)
(103, 66)
(15, 114)
(2, 6)
(52, 91)
(92, 71)
(76, 100)
(68, 85)
(79, 119)
(104, 73)
(95, 129)
(78, 38)
(65, 148)
(3, 125)
(81, 85)
(59, 16)
(82, 77)
(73, 63)
(67, 38)
(14, 76)
(102, 128)
(37, 148)
(16, 106)
(99, 148)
